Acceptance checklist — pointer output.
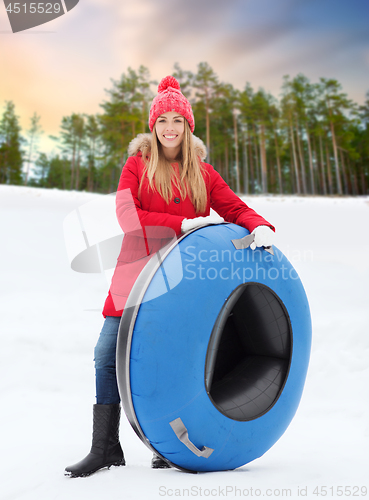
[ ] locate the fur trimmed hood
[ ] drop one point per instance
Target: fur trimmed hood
(145, 140)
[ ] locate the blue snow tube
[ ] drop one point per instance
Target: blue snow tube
(213, 350)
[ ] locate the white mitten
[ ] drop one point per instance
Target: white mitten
(189, 224)
(264, 237)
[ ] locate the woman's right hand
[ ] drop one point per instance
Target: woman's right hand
(189, 224)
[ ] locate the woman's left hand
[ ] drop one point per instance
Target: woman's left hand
(264, 237)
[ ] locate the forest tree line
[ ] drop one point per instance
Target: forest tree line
(313, 140)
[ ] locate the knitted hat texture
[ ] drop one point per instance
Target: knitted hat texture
(170, 98)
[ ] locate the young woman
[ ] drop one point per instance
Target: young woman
(165, 190)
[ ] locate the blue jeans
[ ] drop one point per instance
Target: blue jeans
(105, 351)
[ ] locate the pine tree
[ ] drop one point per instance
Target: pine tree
(304, 95)
(57, 176)
(41, 170)
(206, 82)
(335, 104)
(92, 137)
(262, 112)
(144, 95)
(72, 138)
(33, 133)
(185, 80)
(10, 147)
(288, 111)
(278, 145)
(247, 118)
(127, 107)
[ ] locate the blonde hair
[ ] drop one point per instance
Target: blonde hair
(162, 177)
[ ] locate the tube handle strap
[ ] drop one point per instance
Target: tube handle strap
(246, 241)
(182, 434)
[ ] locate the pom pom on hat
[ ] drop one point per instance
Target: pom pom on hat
(170, 98)
(168, 81)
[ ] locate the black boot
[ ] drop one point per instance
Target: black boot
(158, 463)
(105, 449)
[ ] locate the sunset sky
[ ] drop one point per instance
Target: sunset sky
(64, 66)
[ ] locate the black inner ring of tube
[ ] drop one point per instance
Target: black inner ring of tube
(249, 353)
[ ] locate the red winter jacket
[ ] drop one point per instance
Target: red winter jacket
(149, 223)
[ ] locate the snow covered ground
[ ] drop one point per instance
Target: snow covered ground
(50, 321)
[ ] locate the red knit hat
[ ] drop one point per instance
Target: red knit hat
(170, 98)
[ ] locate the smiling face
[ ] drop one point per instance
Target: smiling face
(170, 128)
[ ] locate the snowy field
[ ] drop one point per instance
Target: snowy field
(50, 322)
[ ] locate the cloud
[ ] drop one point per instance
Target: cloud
(155, 31)
(257, 34)
(57, 72)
